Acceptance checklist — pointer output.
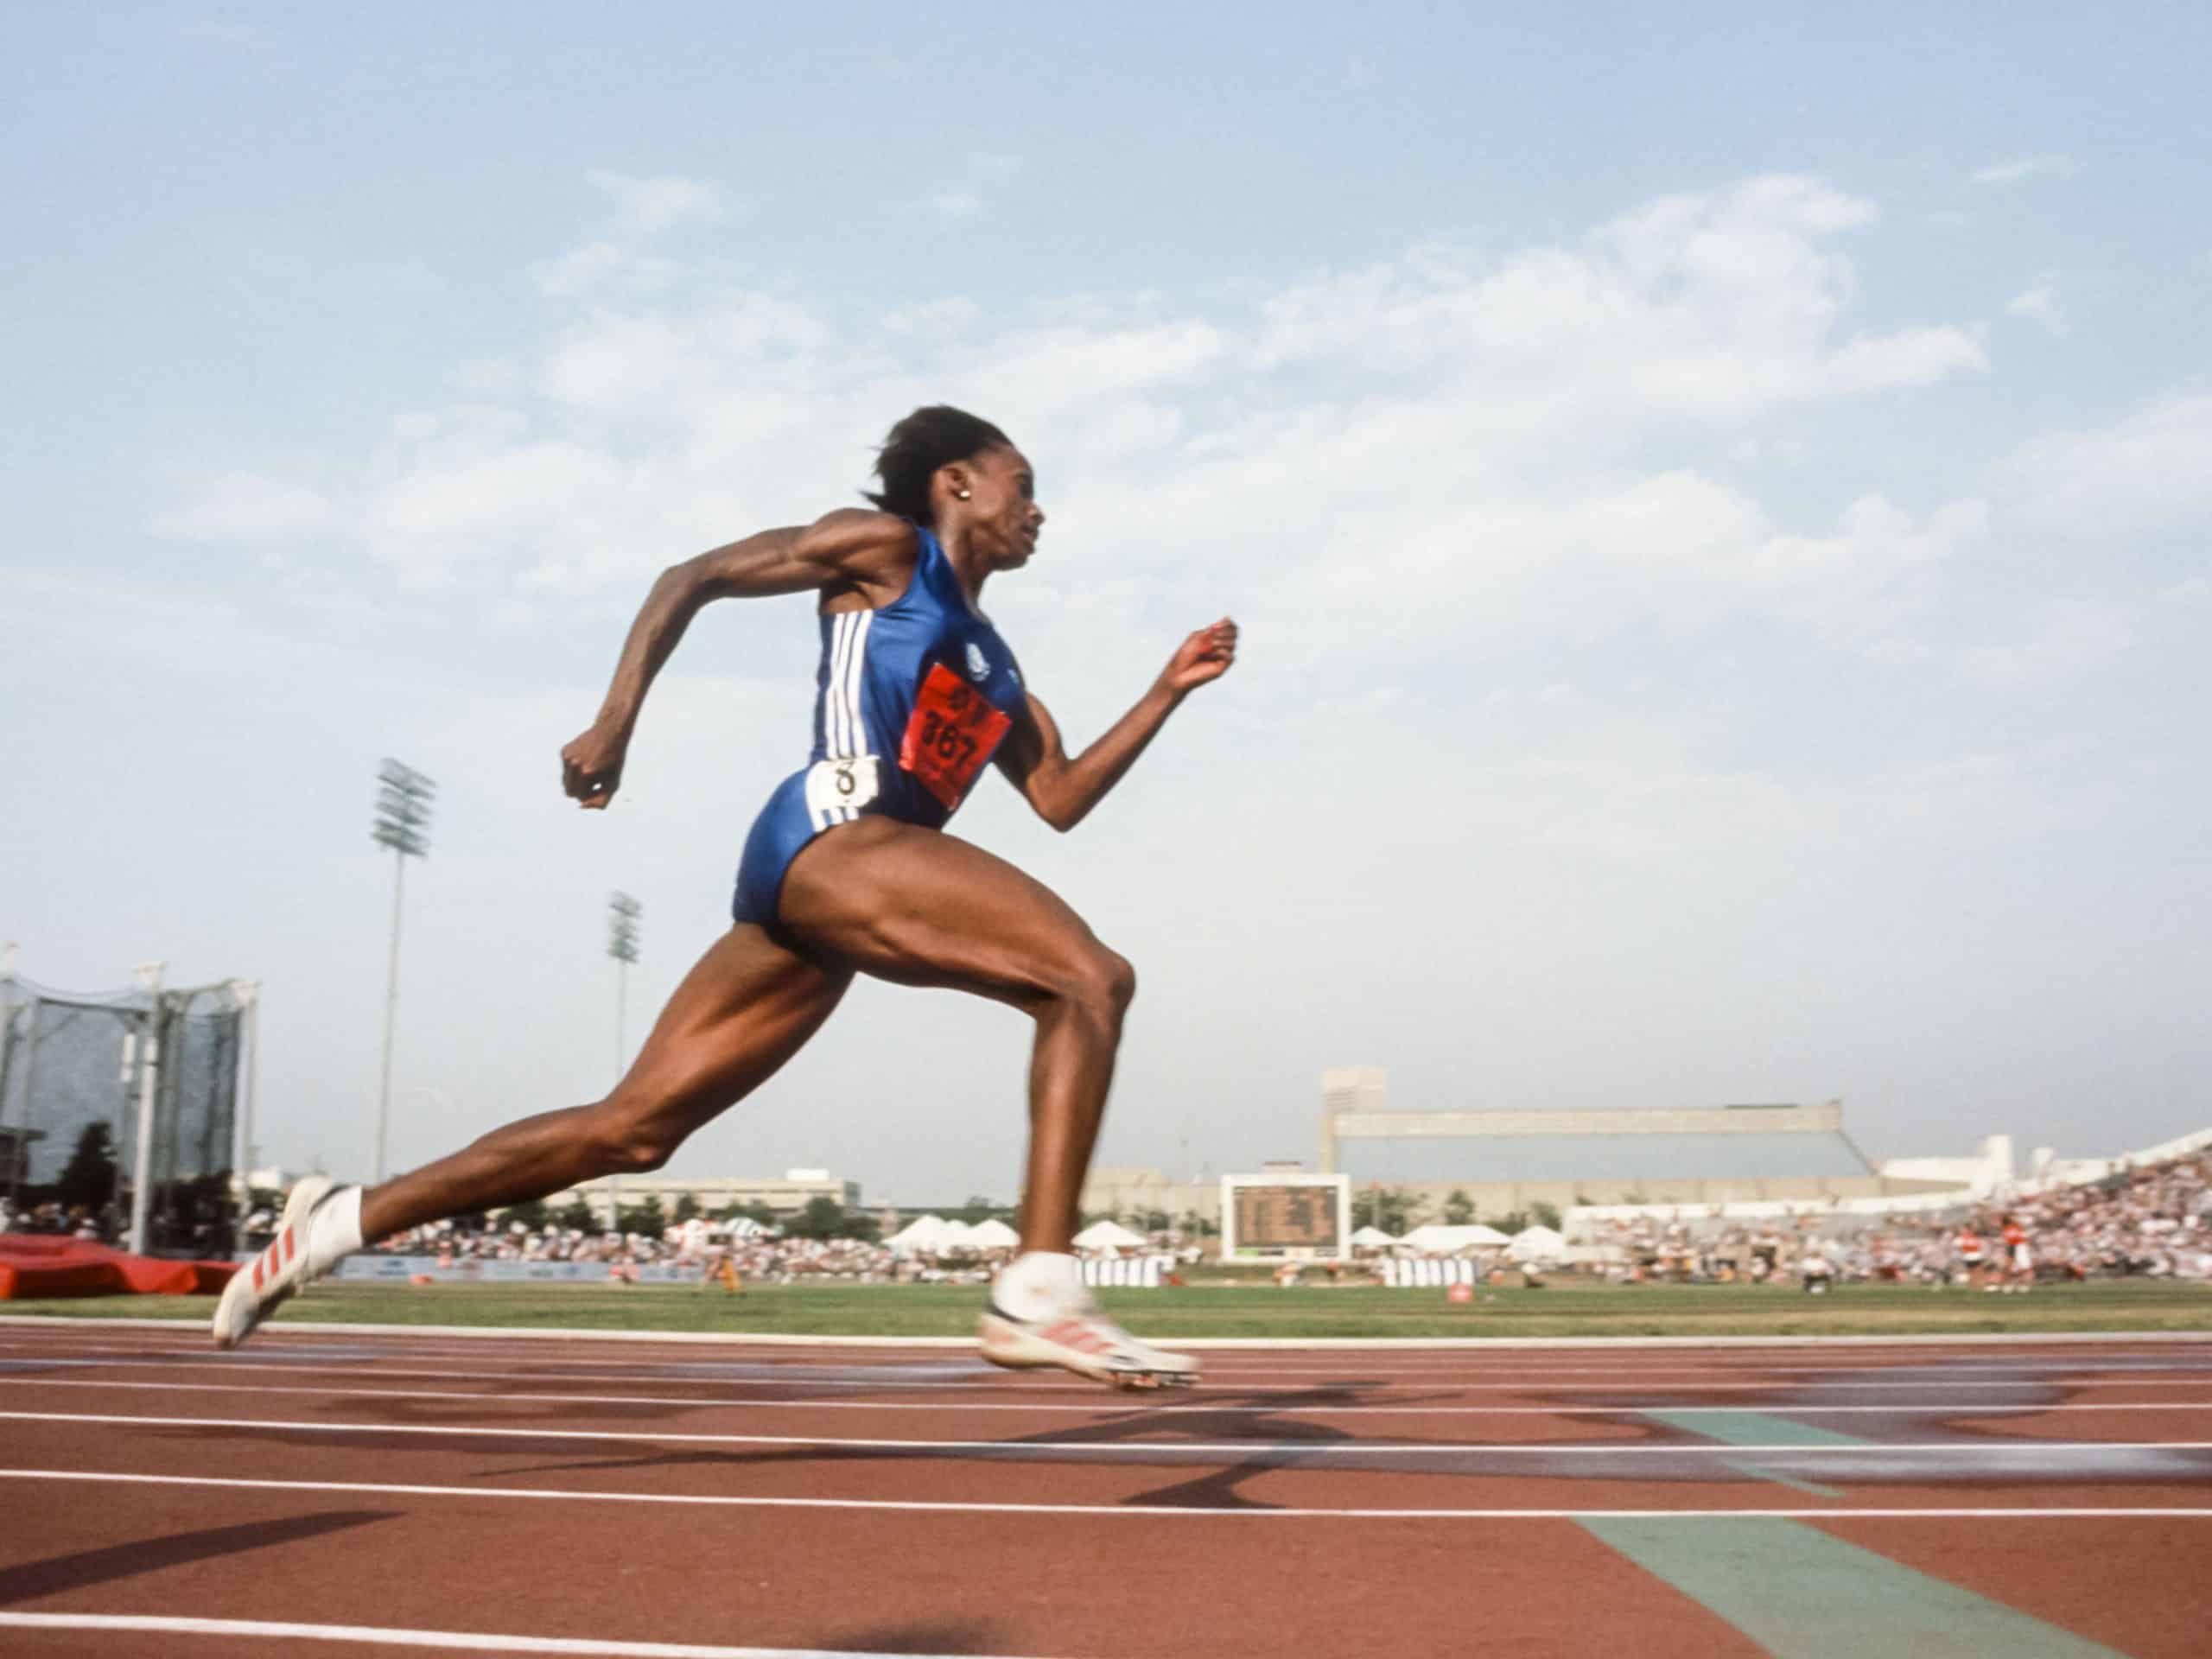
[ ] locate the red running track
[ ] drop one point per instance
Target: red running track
(430, 1493)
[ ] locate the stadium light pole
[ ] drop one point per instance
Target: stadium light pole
(622, 916)
(402, 823)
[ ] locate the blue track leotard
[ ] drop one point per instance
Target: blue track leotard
(911, 701)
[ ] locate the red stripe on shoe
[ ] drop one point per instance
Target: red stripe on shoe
(1081, 1336)
(288, 1244)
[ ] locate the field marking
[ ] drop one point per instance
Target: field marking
(385, 1635)
(992, 1383)
(1112, 1410)
(1055, 1448)
(764, 1340)
(1147, 1511)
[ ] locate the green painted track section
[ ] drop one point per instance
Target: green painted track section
(1802, 1594)
(1757, 1428)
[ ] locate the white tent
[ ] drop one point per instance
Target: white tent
(991, 1234)
(1372, 1238)
(1537, 1245)
(1436, 1239)
(926, 1234)
(1108, 1235)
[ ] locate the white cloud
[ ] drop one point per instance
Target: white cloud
(2039, 304)
(247, 508)
(1518, 440)
(2022, 168)
(953, 205)
(2150, 471)
(1714, 306)
(647, 207)
(936, 319)
(599, 266)
(2064, 638)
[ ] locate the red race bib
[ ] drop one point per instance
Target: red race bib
(951, 736)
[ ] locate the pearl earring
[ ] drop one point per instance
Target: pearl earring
(960, 495)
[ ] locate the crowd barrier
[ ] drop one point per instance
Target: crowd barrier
(476, 1270)
(1144, 1272)
(1140, 1272)
(1409, 1275)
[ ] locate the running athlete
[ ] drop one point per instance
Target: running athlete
(847, 870)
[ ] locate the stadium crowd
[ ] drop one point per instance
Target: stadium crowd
(2155, 1221)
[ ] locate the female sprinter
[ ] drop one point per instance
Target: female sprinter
(847, 870)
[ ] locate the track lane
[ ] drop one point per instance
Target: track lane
(992, 1583)
(1274, 1440)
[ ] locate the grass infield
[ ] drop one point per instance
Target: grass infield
(1201, 1310)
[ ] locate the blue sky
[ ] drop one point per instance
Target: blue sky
(1720, 514)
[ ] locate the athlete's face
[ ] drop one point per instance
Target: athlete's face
(1001, 514)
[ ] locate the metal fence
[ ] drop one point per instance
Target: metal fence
(123, 1109)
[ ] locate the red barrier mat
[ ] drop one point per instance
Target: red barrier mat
(38, 1264)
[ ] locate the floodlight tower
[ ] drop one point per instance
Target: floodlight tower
(622, 916)
(402, 823)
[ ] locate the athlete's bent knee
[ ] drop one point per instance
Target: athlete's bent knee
(1121, 980)
(1103, 984)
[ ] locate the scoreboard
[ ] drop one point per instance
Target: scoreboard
(1286, 1217)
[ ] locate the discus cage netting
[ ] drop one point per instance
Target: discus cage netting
(74, 1076)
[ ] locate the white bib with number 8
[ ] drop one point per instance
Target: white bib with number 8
(848, 783)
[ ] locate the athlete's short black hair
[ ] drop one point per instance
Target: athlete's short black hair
(929, 438)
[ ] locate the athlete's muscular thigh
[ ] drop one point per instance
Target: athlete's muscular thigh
(921, 907)
(744, 1009)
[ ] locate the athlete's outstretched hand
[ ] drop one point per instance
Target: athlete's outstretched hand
(591, 767)
(1205, 656)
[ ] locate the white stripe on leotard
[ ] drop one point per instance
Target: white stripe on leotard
(842, 730)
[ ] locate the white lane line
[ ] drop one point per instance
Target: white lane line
(2163, 1376)
(1150, 1511)
(1050, 1449)
(1111, 1413)
(385, 1635)
(2023, 1339)
(989, 1383)
(2068, 1364)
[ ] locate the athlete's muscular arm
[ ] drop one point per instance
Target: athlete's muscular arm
(851, 551)
(1062, 790)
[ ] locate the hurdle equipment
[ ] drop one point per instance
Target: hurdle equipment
(1423, 1274)
(1134, 1272)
